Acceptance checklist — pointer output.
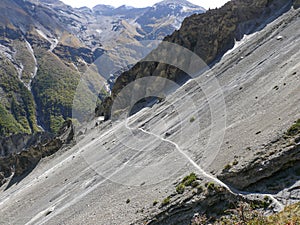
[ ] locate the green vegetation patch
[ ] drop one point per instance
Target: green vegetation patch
(294, 129)
(180, 188)
(24, 57)
(166, 201)
(17, 104)
(188, 180)
(290, 215)
(8, 124)
(54, 89)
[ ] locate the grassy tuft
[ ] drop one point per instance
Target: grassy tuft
(188, 180)
(192, 119)
(294, 129)
(180, 188)
(166, 201)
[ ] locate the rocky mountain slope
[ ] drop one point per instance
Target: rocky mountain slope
(133, 171)
(47, 46)
(208, 35)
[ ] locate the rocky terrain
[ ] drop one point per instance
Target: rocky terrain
(18, 164)
(208, 35)
(46, 47)
(226, 140)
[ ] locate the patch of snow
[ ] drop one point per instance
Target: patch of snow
(40, 127)
(237, 44)
(41, 33)
(172, 6)
(186, 9)
(279, 38)
(6, 52)
(108, 87)
(100, 119)
(99, 31)
(20, 69)
(20, 72)
(53, 42)
(177, 22)
(183, 9)
(129, 7)
(73, 64)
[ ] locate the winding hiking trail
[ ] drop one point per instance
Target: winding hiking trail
(40, 217)
(70, 194)
(278, 206)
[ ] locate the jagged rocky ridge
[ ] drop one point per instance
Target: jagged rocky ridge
(18, 142)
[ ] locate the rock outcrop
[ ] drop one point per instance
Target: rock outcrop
(18, 142)
(19, 164)
(199, 204)
(296, 4)
(282, 156)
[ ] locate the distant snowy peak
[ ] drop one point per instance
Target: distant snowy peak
(103, 7)
(183, 3)
(165, 17)
(125, 7)
(48, 1)
(56, 3)
(152, 23)
(178, 7)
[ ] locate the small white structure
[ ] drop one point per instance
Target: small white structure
(279, 38)
(99, 120)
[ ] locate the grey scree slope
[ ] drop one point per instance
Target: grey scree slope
(60, 190)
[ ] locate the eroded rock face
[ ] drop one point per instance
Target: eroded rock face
(266, 171)
(16, 143)
(208, 35)
(21, 163)
(199, 204)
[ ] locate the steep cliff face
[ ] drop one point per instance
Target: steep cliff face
(208, 35)
(19, 142)
(17, 108)
(19, 164)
